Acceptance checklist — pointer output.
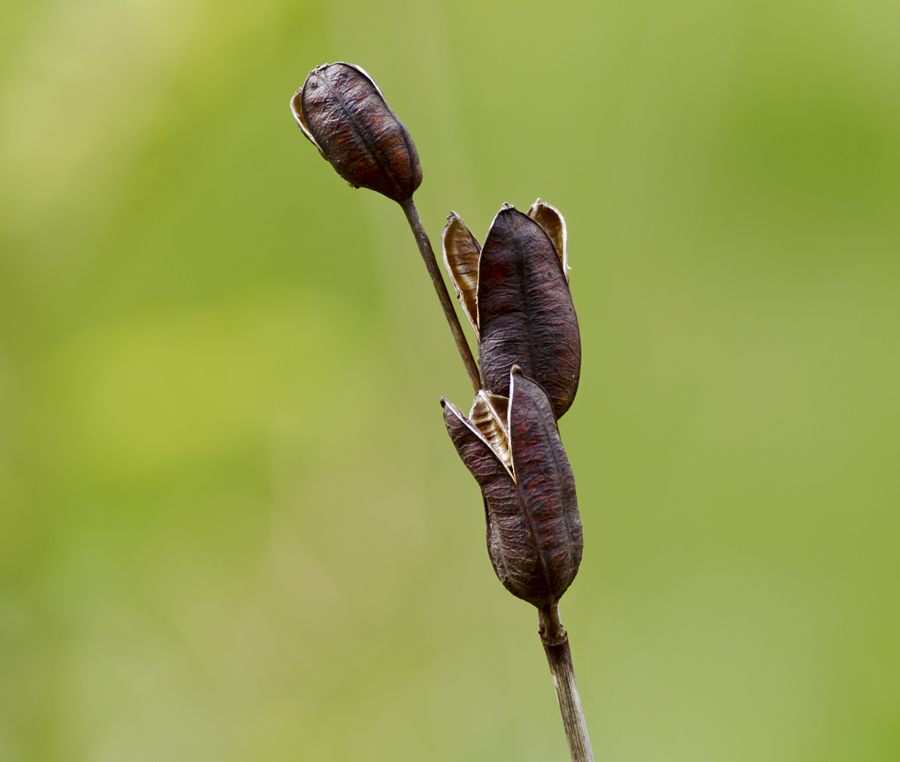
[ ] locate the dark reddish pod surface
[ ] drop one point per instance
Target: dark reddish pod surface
(343, 112)
(534, 533)
(525, 312)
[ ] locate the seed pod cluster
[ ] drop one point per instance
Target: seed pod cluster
(515, 291)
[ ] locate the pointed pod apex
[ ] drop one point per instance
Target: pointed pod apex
(344, 114)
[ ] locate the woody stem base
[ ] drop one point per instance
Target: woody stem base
(556, 646)
(424, 244)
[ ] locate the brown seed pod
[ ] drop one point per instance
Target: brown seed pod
(525, 312)
(461, 253)
(534, 531)
(343, 112)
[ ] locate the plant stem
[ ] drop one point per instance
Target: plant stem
(424, 244)
(556, 646)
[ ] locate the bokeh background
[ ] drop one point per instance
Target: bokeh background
(232, 526)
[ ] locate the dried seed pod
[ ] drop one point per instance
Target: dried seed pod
(461, 252)
(534, 531)
(342, 111)
(525, 311)
(550, 219)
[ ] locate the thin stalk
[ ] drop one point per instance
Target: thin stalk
(556, 646)
(424, 244)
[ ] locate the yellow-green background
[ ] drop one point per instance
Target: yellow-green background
(232, 526)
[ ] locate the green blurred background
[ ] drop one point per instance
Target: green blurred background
(232, 526)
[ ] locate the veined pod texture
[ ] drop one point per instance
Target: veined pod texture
(343, 112)
(534, 533)
(515, 291)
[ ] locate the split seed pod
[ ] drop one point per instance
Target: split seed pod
(513, 450)
(515, 292)
(343, 112)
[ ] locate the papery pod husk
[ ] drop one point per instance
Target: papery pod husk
(534, 533)
(490, 415)
(554, 225)
(461, 252)
(525, 312)
(343, 112)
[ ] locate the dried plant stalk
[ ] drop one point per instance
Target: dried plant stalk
(424, 244)
(556, 646)
(515, 292)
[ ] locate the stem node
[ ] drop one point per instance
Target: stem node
(556, 646)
